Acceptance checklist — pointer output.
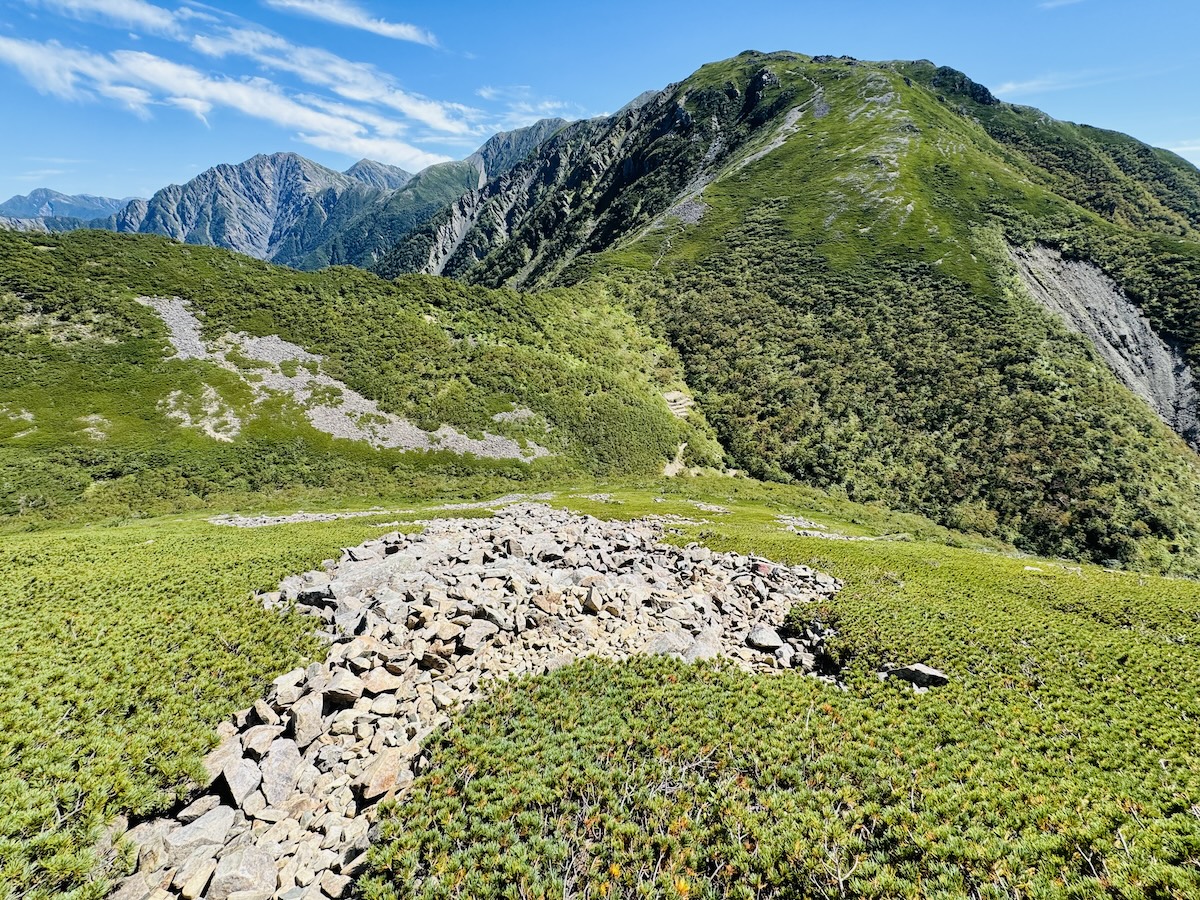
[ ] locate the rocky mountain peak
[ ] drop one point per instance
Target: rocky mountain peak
(379, 175)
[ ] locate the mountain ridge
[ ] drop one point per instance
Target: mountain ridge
(827, 199)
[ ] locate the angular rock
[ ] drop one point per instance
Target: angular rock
(305, 718)
(239, 779)
(257, 741)
(389, 770)
(199, 807)
(135, 887)
(211, 829)
(707, 645)
(248, 869)
(229, 749)
(280, 771)
(477, 635)
(443, 695)
(193, 876)
(666, 643)
(344, 688)
(380, 680)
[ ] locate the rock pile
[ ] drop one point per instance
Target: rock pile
(417, 624)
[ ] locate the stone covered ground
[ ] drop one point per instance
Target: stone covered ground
(417, 625)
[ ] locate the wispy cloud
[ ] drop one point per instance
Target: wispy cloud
(360, 82)
(139, 81)
(1057, 81)
(126, 13)
(328, 101)
(521, 107)
(57, 160)
(342, 12)
(1055, 4)
(1189, 150)
(39, 174)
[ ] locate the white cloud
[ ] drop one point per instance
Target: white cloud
(1056, 81)
(126, 13)
(378, 148)
(39, 174)
(342, 12)
(360, 82)
(349, 106)
(1055, 4)
(139, 80)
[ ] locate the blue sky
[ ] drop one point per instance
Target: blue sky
(121, 97)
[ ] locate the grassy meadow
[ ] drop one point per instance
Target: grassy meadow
(1061, 761)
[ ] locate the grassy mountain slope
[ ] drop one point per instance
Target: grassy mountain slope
(825, 243)
(91, 400)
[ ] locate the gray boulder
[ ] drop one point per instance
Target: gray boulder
(210, 829)
(764, 637)
(305, 717)
(280, 771)
(919, 674)
(240, 778)
(248, 869)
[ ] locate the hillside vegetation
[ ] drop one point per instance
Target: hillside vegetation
(88, 384)
(825, 243)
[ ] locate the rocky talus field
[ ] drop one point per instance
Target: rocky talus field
(417, 624)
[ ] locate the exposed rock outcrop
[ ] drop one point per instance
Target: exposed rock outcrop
(1091, 304)
(281, 368)
(417, 625)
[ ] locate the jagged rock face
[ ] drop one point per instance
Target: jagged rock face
(1092, 305)
(16, 223)
(44, 203)
(372, 231)
(503, 151)
(258, 207)
(592, 184)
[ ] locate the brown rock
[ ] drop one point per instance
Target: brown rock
(386, 772)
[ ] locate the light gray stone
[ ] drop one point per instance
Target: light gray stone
(280, 771)
(211, 829)
(345, 687)
(305, 718)
(707, 645)
(248, 869)
(198, 807)
(257, 740)
(240, 778)
(135, 887)
(477, 635)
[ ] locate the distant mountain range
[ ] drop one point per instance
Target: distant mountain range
(45, 203)
(285, 208)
